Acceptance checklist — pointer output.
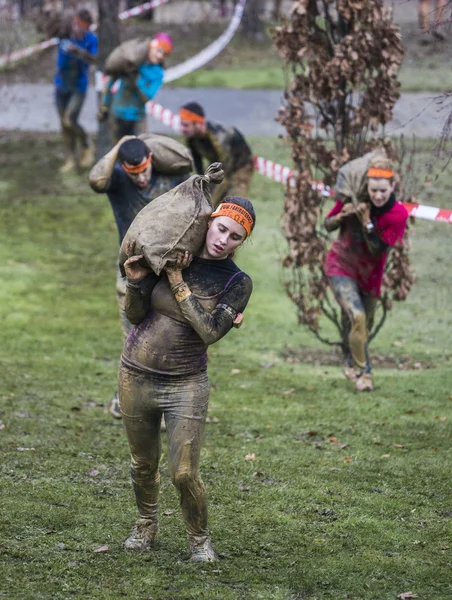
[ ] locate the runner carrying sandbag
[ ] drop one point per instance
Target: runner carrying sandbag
(127, 57)
(173, 223)
(168, 155)
(352, 180)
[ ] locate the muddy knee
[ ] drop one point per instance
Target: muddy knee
(184, 479)
(358, 321)
(143, 470)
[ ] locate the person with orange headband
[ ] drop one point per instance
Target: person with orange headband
(127, 105)
(216, 143)
(355, 264)
(126, 175)
(176, 316)
(71, 81)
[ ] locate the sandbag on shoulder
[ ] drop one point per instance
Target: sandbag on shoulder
(351, 180)
(174, 222)
(169, 156)
(127, 57)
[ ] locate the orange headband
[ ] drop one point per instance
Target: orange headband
(237, 213)
(164, 44)
(138, 168)
(380, 173)
(187, 115)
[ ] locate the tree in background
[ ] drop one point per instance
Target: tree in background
(343, 57)
(108, 33)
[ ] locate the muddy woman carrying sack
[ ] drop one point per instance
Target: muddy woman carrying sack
(174, 222)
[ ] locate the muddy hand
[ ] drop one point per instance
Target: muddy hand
(237, 322)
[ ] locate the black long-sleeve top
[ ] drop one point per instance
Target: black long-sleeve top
(172, 338)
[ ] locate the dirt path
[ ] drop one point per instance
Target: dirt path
(30, 107)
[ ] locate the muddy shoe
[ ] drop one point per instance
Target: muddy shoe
(364, 383)
(201, 550)
(351, 373)
(143, 536)
(114, 407)
(86, 158)
(68, 166)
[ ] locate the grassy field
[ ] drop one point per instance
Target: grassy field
(349, 496)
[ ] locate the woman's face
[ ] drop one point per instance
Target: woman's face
(156, 54)
(223, 237)
(379, 190)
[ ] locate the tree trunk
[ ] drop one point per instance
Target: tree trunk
(252, 24)
(108, 33)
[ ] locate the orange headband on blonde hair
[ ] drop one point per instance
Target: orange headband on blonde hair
(187, 115)
(138, 168)
(380, 173)
(237, 214)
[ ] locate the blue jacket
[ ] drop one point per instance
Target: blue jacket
(72, 72)
(128, 104)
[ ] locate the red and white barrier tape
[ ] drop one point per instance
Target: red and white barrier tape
(126, 14)
(282, 174)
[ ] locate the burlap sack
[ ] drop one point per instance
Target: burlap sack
(169, 156)
(127, 57)
(54, 23)
(172, 223)
(351, 180)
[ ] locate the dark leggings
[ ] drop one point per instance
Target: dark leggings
(358, 312)
(69, 105)
(183, 400)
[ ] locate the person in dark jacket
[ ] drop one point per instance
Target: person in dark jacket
(216, 143)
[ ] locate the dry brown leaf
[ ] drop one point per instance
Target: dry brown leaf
(235, 371)
(102, 549)
(407, 595)
(250, 456)
(212, 420)
(385, 456)
(348, 459)
(168, 512)
(288, 392)
(398, 445)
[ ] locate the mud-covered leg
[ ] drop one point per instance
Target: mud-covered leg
(142, 425)
(185, 428)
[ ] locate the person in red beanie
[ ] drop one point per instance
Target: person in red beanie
(127, 105)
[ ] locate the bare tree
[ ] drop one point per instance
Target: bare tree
(343, 57)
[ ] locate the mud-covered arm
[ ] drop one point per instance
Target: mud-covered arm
(138, 297)
(211, 327)
(100, 175)
(374, 243)
(334, 218)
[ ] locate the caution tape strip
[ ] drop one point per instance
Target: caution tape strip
(126, 14)
(282, 174)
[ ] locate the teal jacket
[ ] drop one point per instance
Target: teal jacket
(128, 103)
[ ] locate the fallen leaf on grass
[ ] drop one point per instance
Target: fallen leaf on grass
(2, 426)
(93, 472)
(235, 371)
(309, 388)
(407, 595)
(25, 449)
(268, 426)
(259, 474)
(250, 456)
(385, 456)
(168, 512)
(348, 459)
(398, 445)
(444, 547)
(336, 442)
(102, 549)
(212, 420)
(288, 392)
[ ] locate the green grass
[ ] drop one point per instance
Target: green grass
(305, 520)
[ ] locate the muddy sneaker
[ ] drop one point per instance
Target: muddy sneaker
(364, 383)
(201, 550)
(143, 536)
(114, 407)
(351, 373)
(68, 166)
(86, 158)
